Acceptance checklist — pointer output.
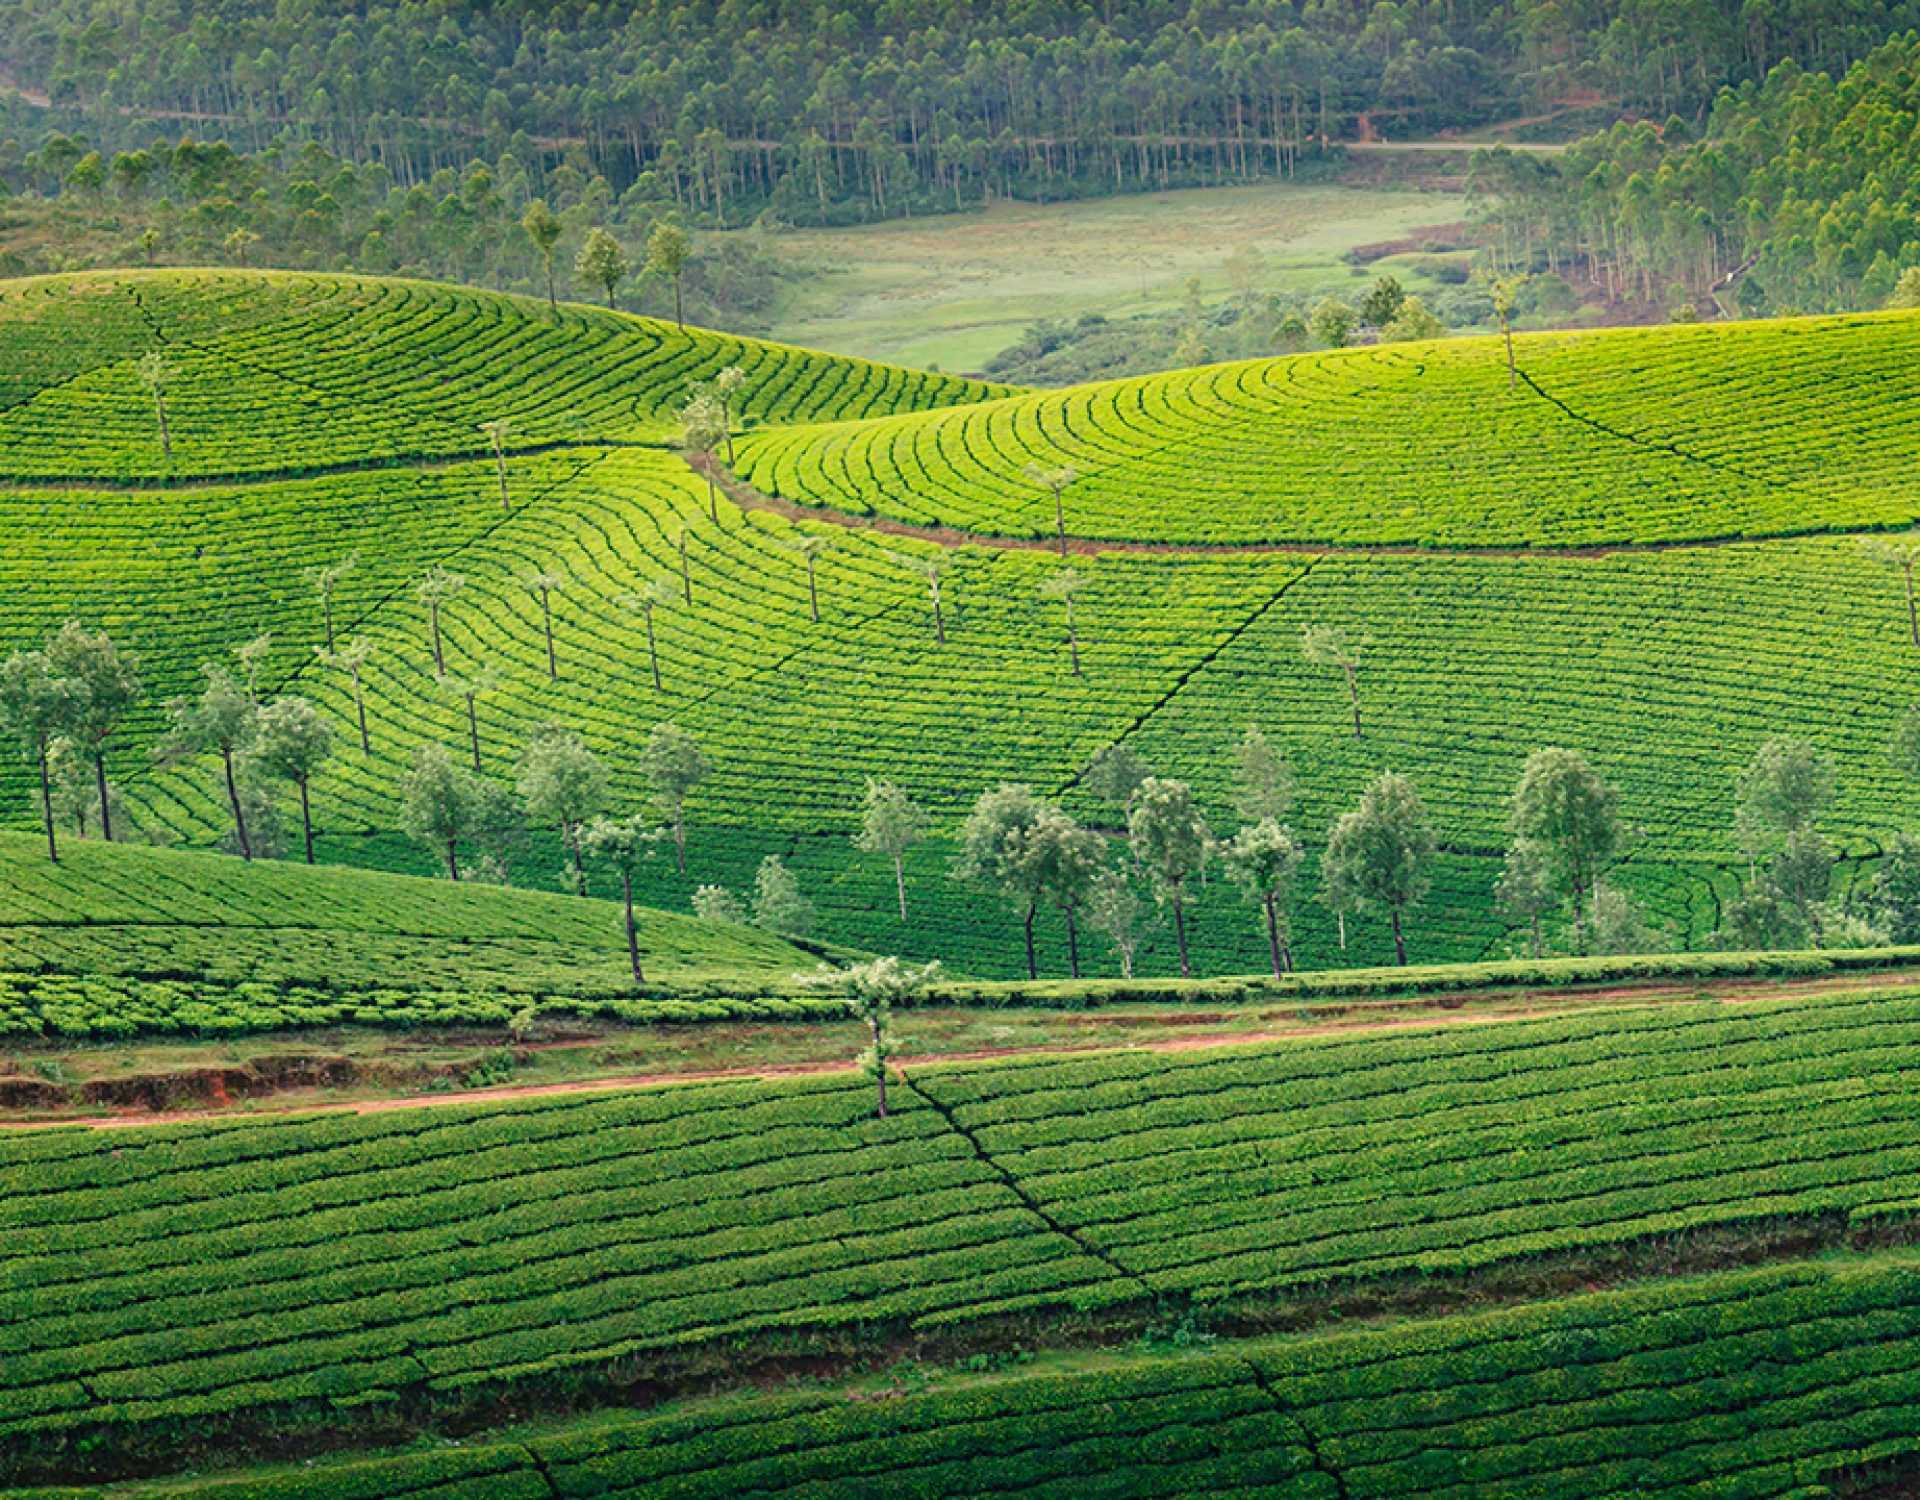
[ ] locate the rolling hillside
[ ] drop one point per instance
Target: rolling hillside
(349, 431)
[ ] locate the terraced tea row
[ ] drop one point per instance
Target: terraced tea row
(165, 1280)
(1625, 436)
(1744, 1386)
(269, 373)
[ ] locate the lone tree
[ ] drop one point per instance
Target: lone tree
(563, 785)
(778, 905)
(701, 428)
(1262, 781)
(989, 849)
(434, 588)
(104, 682)
(1264, 860)
(239, 242)
(543, 584)
(469, 690)
(891, 823)
(810, 547)
(654, 594)
(1061, 861)
(542, 227)
(155, 375)
(1506, 298)
(932, 569)
(1055, 481)
(35, 707)
(441, 804)
(1381, 855)
(1065, 587)
(1115, 775)
(1329, 646)
(498, 433)
(602, 263)
(1333, 322)
(1114, 911)
(293, 743)
(1903, 556)
(1170, 839)
(1564, 810)
(668, 251)
(352, 659)
(726, 388)
(672, 764)
(224, 720)
(1781, 793)
(873, 989)
(625, 843)
(325, 581)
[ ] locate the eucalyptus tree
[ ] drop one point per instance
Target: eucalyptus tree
(989, 853)
(252, 656)
(1264, 860)
(1170, 839)
(292, 744)
(156, 375)
(1060, 860)
(653, 594)
(468, 690)
(1066, 586)
(1055, 482)
(1114, 911)
(686, 573)
(103, 682)
(1380, 855)
(873, 989)
(672, 764)
(1262, 780)
(1505, 291)
(35, 706)
(563, 786)
(932, 568)
(702, 427)
(543, 228)
(1115, 775)
(726, 388)
(441, 804)
(779, 906)
(326, 581)
(625, 844)
(498, 433)
(543, 584)
(223, 720)
(810, 546)
(1902, 556)
(602, 263)
(1564, 810)
(352, 659)
(668, 251)
(891, 823)
(1330, 646)
(435, 588)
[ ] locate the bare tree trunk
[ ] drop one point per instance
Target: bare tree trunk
(1343, 930)
(326, 611)
(46, 806)
(633, 928)
(239, 814)
(1180, 932)
(713, 500)
(360, 710)
(1073, 641)
(1273, 938)
(1060, 521)
(166, 438)
(900, 884)
(813, 590)
(686, 577)
(879, 1062)
(572, 837)
(1353, 696)
(100, 782)
(1073, 943)
(473, 733)
(679, 311)
(653, 654)
(453, 862)
(939, 622)
(1513, 374)
(1033, 967)
(553, 299)
(546, 615)
(1399, 942)
(500, 459)
(1913, 618)
(439, 664)
(306, 818)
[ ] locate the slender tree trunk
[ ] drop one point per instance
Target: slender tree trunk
(546, 616)
(680, 842)
(1399, 942)
(1033, 967)
(553, 299)
(166, 438)
(473, 733)
(1180, 932)
(1353, 696)
(939, 622)
(1913, 617)
(100, 783)
(879, 1062)
(306, 818)
(46, 806)
(609, 296)
(1343, 930)
(326, 611)
(1580, 916)
(1513, 373)
(686, 577)
(679, 311)
(1536, 934)
(500, 461)
(713, 500)
(653, 654)
(1073, 943)
(900, 884)
(571, 835)
(360, 710)
(633, 928)
(1273, 938)
(1073, 641)
(453, 861)
(239, 814)
(439, 664)
(1060, 521)
(813, 590)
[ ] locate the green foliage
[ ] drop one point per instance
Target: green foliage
(1379, 856)
(778, 905)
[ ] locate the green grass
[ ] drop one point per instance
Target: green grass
(162, 1284)
(955, 291)
(1613, 437)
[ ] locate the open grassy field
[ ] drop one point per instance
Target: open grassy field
(954, 291)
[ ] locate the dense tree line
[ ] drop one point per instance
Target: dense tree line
(873, 108)
(1795, 194)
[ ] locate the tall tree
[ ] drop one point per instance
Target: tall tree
(1114, 910)
(701, 428)
(223, 720)
(1264, 860)
(155, 375)
(1066, 586)
(1061, 861)
(1505, 291)
(672, 764)
(441, 804)
(779, 906)
(668, 251)
(1902, 556)
(988, 853)
(103, 683)
(1381, 855)
(810, 546)
(498, 433)
(1262, 781)
(35, 707)
(932, 568)
(468, 691)
(293, 743)
(873, 989)
(625, 843)
(326, 581)
(352, 659)
(542, 227)
(543, 584)
(1170, 839)
(1055, 482)
(1330, 646)
(1115, 775)
(891, 823)
(602, 263)
(653, 594)
(726, 388)
(434, 588)
(1782, 792)
(1565, 810)
(563, 785)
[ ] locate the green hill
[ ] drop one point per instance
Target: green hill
(1667, 667)
(162, 1287)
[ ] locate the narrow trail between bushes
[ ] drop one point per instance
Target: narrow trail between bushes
(1419, 1013)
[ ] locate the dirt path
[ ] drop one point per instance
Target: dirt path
(1529, 1005)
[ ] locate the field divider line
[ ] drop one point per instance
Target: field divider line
(539, 1463)
(1292, 1417)
(1014, 1185)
